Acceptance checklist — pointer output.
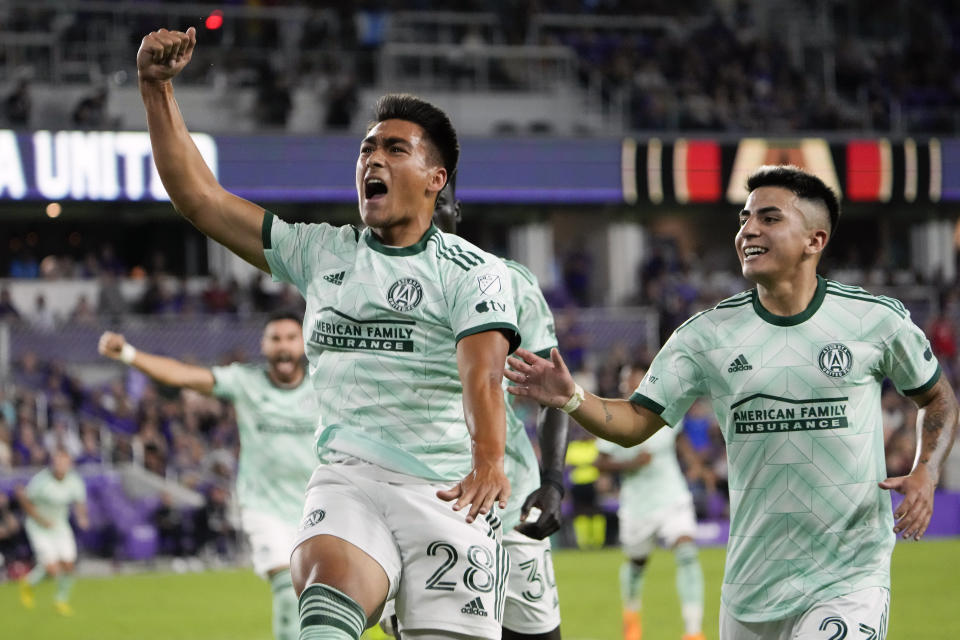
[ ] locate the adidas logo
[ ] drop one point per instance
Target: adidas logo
(474, 608)
(335, 278)
(740, 364)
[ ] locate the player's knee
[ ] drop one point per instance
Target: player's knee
(685, 553)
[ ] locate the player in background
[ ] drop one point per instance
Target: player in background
(47, 501)
(794, 370)
(406, 370)
(655, 505)
(276, 420)
(532, 609)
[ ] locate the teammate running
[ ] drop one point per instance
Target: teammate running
(47, 501)
(276, 419)
(794, 369)
(655, 507)
(406, 368)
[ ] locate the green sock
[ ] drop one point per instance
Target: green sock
(689, 585)
(36, 575)
(329, 614)
(631, 584)
(581, 529)
(286, 617)
(599, 530)
(64, 584)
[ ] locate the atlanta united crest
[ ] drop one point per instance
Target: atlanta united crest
(835, 360)
(405, 294)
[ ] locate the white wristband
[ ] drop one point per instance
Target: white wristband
(127, 353)
(575, 400)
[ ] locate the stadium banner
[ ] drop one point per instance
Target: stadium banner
(117, 165)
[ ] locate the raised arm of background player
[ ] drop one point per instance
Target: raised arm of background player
(621, 421)
(552, 432)
(168, 371)
(232, 221)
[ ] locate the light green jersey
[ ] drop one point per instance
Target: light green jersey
(381, 329)
(277, 428)
(798, 400)
(655, 485)
(536, 326)
(53, 498)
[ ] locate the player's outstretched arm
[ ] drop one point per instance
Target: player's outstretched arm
(168, 371)
(81, 515)
(550, 383)
(480, 360)
(193, 189)
(936, 430)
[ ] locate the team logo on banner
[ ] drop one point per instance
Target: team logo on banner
(405, 294)
(835, 360)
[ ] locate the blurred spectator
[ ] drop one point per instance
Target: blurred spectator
(91, 111)
(23, 264)
(16, 106)
(61, 436)
(6, 445)
(274, 101)
(215, 532)
(218, 298)
(171, 527)
(110, 301)
(342, 101)
(7, 309)
(90, 446)
(42, 316)
(83, 313)
(10, 530)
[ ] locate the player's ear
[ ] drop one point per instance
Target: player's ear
(437, 180)
(816, 241)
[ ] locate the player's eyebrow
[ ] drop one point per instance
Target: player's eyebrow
(374, 138)
(746, 212)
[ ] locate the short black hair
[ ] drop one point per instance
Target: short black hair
(436, 124)
(285, 314)
(804, 185)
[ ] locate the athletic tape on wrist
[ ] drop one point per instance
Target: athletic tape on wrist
(127, 353)
(575, 400)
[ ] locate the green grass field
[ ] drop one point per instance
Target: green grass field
(235, 605)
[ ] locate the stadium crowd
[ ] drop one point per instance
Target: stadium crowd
(879, 66)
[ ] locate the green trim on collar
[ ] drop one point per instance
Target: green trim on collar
(374, 243)
(803, 316)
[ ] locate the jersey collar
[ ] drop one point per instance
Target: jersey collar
(374, 243)
(803, 316)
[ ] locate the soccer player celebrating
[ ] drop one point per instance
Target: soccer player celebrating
(405, 366)
(794, 369)
(655, 504)
(47, 500)
(276, 418)
(532, 605)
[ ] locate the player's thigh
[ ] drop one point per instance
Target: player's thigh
(271, 540)
(733, 629)
(638, 536)
(532, 605)
(678, 522)
(454, 573)
(344, 542)
(862, 614)
(52, 546)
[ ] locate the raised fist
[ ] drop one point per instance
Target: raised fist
(163, 54)
(111, 344)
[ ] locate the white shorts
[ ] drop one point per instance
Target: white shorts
(51, 545)
(667, 525)
(862, 614)
(271, 540)
(445, 574)
(533, 604)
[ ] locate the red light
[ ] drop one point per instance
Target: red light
(214, 20)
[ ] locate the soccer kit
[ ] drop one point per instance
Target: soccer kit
(276, 427)
(381, 328)
(52, 499)
(532, 605)
(798, 400)
(655, 502)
